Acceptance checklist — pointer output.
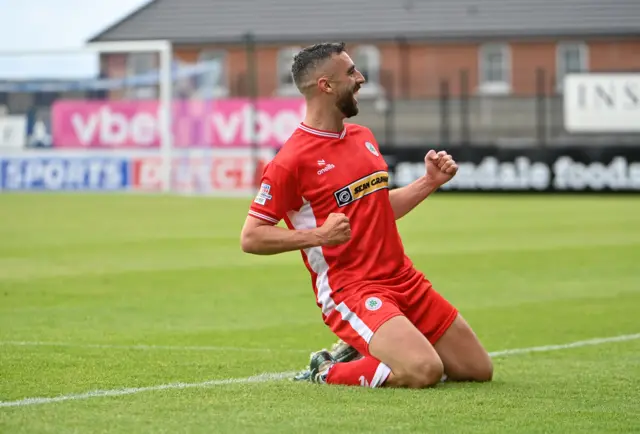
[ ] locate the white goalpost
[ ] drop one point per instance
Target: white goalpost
(164, 49)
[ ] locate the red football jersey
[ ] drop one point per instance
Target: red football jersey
(317, 173)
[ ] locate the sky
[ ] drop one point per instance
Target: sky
(28, 25)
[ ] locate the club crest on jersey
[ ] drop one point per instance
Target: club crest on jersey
(362, 187)
(373, 303)
(372, 148)
(263, 195)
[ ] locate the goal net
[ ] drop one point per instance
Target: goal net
(127, 117)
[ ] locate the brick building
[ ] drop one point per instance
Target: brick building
(495, 57)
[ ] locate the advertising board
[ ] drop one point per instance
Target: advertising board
(223, 123)
(52, 172)
(573, 169)
(224, 172)
(602, 103)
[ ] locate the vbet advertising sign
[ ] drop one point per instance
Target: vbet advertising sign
(223, 123)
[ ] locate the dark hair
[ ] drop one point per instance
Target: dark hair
(310, 57)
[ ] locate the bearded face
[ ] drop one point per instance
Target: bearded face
(347, 102)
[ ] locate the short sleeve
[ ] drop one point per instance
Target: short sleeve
(278, 194)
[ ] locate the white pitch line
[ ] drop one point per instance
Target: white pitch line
(262, 378)
(578, 344)
(132, 390)
(149, 347)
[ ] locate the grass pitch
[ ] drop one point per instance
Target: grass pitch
(118, 292)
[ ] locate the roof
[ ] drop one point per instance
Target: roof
(199, 21)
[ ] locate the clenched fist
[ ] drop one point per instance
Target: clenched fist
(335, 230)
(440, 167)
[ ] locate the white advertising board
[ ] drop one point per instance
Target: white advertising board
(602, 103)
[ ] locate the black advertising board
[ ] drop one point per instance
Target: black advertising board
(493, 169)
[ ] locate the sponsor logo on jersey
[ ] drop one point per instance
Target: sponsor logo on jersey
(362, 187)
(263, 195)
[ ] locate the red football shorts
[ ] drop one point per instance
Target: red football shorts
(359, 313)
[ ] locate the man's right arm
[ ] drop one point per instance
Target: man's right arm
(260, 237)
(277, 196)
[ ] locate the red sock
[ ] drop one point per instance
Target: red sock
(367, 372)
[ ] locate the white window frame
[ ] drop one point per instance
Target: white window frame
(286, 89)
(495, 87)
(373, 68)
(220, 90)
(561, 50)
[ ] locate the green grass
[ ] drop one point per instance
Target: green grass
(89, 270)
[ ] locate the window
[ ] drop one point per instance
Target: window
(285, 78)
(138, 64)
(367, 60)
(212, 83)
(495, 68)
(570, 58)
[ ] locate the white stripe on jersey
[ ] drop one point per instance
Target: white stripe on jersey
(305, 219)
(381, 375)
(262, 216)
(323, 133)
(356, 323)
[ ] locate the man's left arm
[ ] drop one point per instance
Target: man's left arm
(405, 199)
(439, 169)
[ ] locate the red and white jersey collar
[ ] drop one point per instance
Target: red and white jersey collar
(321, 133)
